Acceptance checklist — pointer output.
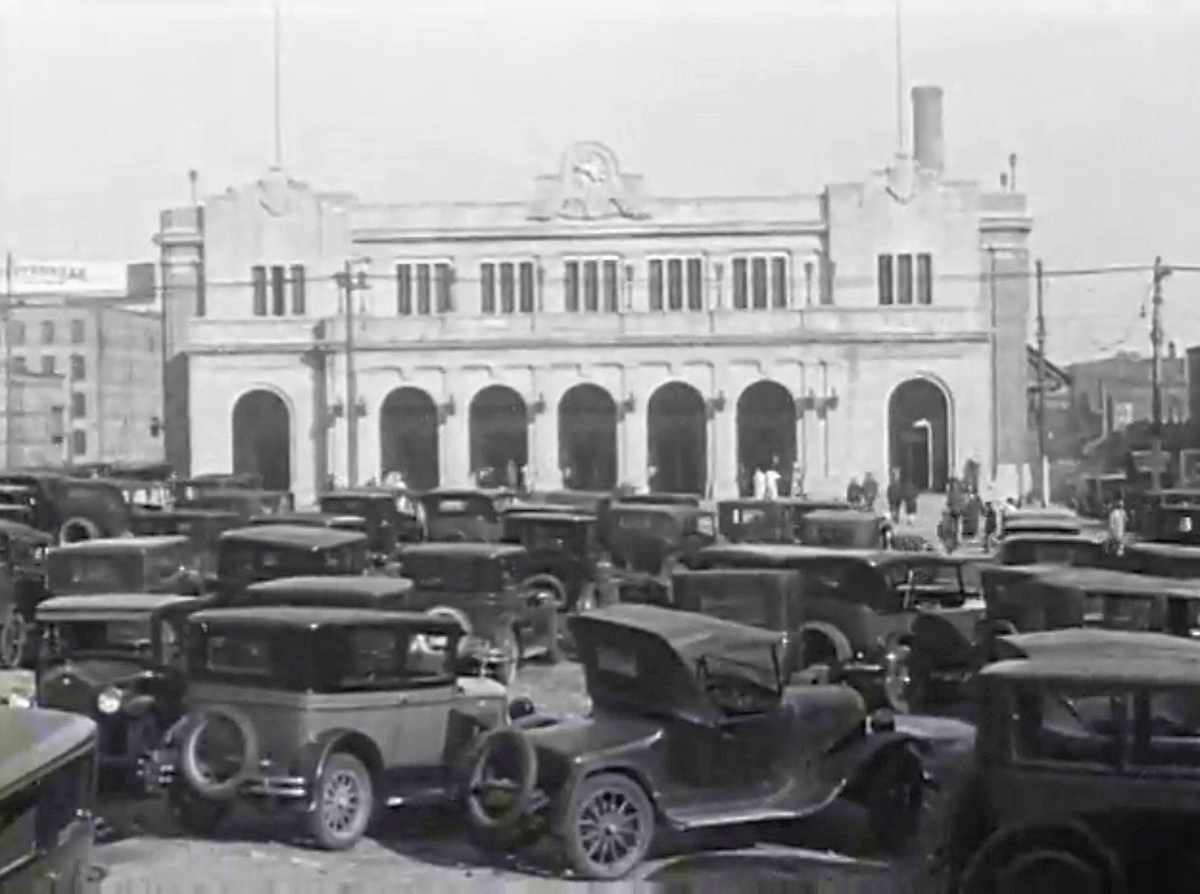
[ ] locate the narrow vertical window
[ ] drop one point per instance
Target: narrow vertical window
(508, 287)
(655, 277)
(695, 284)
(299, 299)
(904, 279)
(423, 289)
(258, 277)
(201, 291)
(924, 279)
(740, 290)
(487, 288)
(759, 277)
(571, 286)
(779, 282)
(404, 290)
(526, 287)
(610, 287)
(886, 295)
(591, 286)
(278, 291)
(674, 284)
(443, 282)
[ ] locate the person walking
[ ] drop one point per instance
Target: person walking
(771, 482)
(870, 491)
(1116, 527)
(798, 479)
(910, 500)
(854, 493)
(760, 483)
(895, 496)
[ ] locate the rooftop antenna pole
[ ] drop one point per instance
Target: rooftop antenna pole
(900, 129)
(278, 117)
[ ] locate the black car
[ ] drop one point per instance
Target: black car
(265, 552)
(565, 553)
(391, 516)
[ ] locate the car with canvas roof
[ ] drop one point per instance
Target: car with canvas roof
(648, 540)
(392, 517)
(123, 565)
(471, 515)
(566, 553)
(265, 552)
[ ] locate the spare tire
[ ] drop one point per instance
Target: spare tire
(546, 582)
(78, 528)
(190, 763)
(446, 611)
(508, 751)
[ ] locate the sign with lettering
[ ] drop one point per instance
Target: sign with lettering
(1148, 460)
(80, 278)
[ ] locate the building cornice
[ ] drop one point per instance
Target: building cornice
(594, 231)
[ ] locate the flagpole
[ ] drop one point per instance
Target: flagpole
(900, 134)
(7, 320)
(278, 81)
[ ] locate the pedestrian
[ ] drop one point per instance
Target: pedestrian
(798, 479)
(895, 496)
(870, 490)
(910, 500)
(1116, 526)
(854, 492)
(760, 484)
(991, 519)
(947, 530)
(771, 484)
(956, 502)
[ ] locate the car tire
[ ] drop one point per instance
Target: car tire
(14, 634)
(895, 800)
(344, 803)
(549, 583)
(189, 761)
(597, 802)
(1047, 855)
(519, 773)
(194, 814)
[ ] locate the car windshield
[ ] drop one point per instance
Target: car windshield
(1118, 611)
(558, 536)
(1049, 552)
(254, 562)
(69, 573)
(476, 506)
(743, 683)
(68, 637)
(659, 525)
(452, 573)
(348, 506)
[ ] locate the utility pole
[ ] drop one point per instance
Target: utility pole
(1043, 465)
(1161, 272)
(8, 360)
(350, 285)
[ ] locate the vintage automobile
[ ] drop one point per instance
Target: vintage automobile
(1163, 559)
(68, 509)
(692, 726)
(648, 540)
(392, 517)
(850, 529)
(244, 502)
(768, 521)
(566, 553)
(594, 501)
(143, 495)
(117, 659)
(312, 520)
(47, 793)
(202, 527)
(265, 552)
(329, 713)
(507, 610)
(470, 515)
(1173, 523)
(184, 489)
(1086, 767)
(1040, 521)
(124, 565)
(1052, 549)
(898, 626)
(22, 586)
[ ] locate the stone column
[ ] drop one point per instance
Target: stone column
(454, 447)
(723, 445)
(543, 447)
(632, 447)
(370, 453)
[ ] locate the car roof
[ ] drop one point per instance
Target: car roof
(463, 549)
(16, 529)
(364, 492)
(467, 493)
(93, 604)
(783, 551)
(303, 536)
(36, 737)
(1053, 536)
(1112, 581)
(312, 617)
(847, 514)
(124, 544)
(1099, 657)
(548, 512)
(189, 513)
(673, 509)
(349, 584)
(301, 518)
(690, 634)
(1168, 550)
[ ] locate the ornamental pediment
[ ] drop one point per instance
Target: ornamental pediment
(589, 185)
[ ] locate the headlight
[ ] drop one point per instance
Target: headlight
(17, 700)
(109, 701)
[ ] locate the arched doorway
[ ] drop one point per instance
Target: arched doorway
(766, 433)
(499, 435)
(262, 438)
(408, 437)
(587, 438)
(677, 433)
(919, 434)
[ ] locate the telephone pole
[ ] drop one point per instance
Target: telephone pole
(1161, 272)
(9, 453)
(351, 284)
(1043, 465)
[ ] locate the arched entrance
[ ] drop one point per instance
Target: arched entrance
(587, 438)
(766, 434)
(677, 433)
(499, 436)
(919, 434)
(408, 437)
(262, 438)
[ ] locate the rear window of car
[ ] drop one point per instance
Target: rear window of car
(452, 573)
(475, 506)
(634, 521)
(69, 573)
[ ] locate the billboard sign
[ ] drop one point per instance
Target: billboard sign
(1150, 460)
(70, 278)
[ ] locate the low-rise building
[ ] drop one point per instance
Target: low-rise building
(32, 425)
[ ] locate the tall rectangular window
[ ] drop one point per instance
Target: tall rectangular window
(655, 280)
(278, 285)
(591, 286)
(508, 288)
(695, 284)
(674, 284)
(487, 288)
(258, 278)
(759, 277)
(610, 287)
(904, 279)
(78, 443)
(924, 279)
(299, 285)
(526, 287)
(78, 332)
(49, 367)
(571, 286)
(886, 294)
(423, 289)
(779, 282)
(78, 405)
(78, 368)
(443, 287)
(201, 291)
(404, 290)
(739, 277)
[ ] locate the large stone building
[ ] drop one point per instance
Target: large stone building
(597, 333)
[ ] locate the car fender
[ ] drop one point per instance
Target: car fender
(860, 758)
(833, 635)
(310, 762)
(561, 800)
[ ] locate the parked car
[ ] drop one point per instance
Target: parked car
(48, 789)
(326, 713)
(117, 659)
(22, 587)
(779, 520)
(566, 553)
(692, 726)
(1040, 521)
(508, 611)
(123, 565)
(845, 529)
(69, 509)
(895, 625)
(264, 552)
(242, 501)
(1085, 769)
(202, 527)
(1052, 549)
(312, 520)
(465, 515)
(1163, 559)
(648, 540)
(1169, 522)
(185, 489)
(392, 517)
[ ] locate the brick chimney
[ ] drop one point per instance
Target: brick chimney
(928, 146)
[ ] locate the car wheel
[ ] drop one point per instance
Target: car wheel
(608, 827)
(217, 770)
(896, 800)
(508, 644)
(1043, 859)
(194, 814)
(1046, 871)
(344, 804)
(500, 780)
(14, 632)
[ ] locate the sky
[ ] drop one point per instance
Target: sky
(106, 105)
